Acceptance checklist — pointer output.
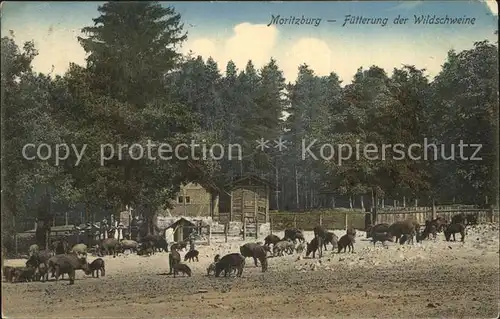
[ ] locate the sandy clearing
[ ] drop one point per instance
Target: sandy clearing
(429, 279)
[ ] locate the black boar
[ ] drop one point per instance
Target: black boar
(320, 231)
(294, 234)
(183, 268)
(256, 252)
(40, 258)
(452, 229)
(110, 246)
(65, 267)
(131, 245)
(346, 241)
(313, 246)
(191, 255)
(332, 239)
(63, 260)
(157, 242)
(381, 237)
(229, 262)
(271, 239)
(379, 228)
(95, 267)
(161, 244)
(23, 274)
(404, 227)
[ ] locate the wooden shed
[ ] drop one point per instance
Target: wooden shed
(249, 198)
(182, 228)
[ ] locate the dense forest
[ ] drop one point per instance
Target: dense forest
(136, 87)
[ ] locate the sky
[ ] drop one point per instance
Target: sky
(238, 31)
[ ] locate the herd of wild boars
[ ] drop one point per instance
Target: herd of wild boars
(61, 259)
(41, 263)
(406, 230)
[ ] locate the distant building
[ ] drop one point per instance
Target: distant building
(195, 200)
(248, 198)
(181, 229)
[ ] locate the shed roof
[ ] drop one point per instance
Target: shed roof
(248, 178)
(181, 220)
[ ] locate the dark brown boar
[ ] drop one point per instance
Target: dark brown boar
(452, 229)
(191, 255)
(257, 252)
(230, 262)
(345, 242)
(379, 228)
(181, 268)
(95, 267)
(23, 274)
(271, 239)
(381, 237)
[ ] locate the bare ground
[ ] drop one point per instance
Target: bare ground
(433, 279)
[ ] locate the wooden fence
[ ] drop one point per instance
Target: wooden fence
(344, 219)
(484, 215)
(308, 220)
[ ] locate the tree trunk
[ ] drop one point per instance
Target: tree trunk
(277, 189)
(373, 204)
(296, 189)
(375, 208)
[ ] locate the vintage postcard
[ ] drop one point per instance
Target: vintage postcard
(250, 159)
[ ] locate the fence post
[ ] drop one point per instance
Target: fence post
(492, 213)
(244, 228)
(346, 221)
(434, 209)
(15, 234)
(226, 229)
(320, 219)
(270, 225)
(257, 227)
(294, 221)
(209, 234)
